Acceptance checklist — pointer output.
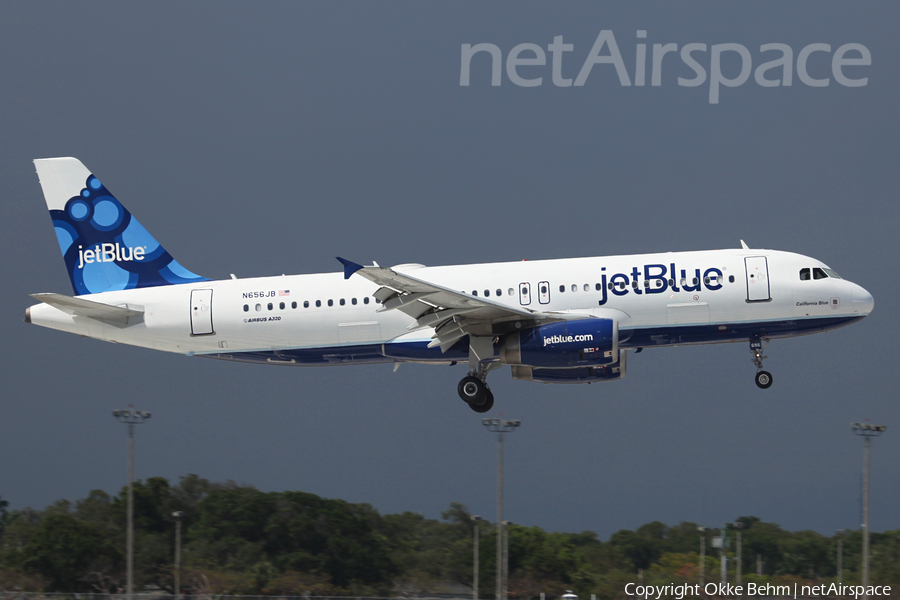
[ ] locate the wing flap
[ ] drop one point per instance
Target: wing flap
(442, 308)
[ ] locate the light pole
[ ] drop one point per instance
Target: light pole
(721, 542)
(702, 531)
(130, 418)
(476, 519)
(178, 516)
(867, 431)
(738, 525)
(840, 556)
(506, 525)
(500, 427)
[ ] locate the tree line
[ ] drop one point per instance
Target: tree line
(238, 540)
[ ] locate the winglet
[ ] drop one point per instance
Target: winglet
(349, 267)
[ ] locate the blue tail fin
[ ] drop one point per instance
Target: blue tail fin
(104, 247)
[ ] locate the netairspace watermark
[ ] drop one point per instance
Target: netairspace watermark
(705, 61)
(679, 591)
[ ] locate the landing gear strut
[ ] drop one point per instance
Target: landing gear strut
(763, 378)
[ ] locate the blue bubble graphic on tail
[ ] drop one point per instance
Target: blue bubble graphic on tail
(106, 249)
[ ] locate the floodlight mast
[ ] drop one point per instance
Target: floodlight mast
(178, 515)
(867, 431)
(738, 525)
(500, 427)
(702, 531)
(131, 418)
(476, 519)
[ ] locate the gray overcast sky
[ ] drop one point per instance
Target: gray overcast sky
(267, 138)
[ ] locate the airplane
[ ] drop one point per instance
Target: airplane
(553, 321)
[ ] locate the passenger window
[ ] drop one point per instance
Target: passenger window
(246, 308)
(306, 304)
(804, 275)
(270, 306)
(706, 280)
(318, 303)
(294, 304)
(587, 287)
(696, 281)
(562, 289)
(819, 273)
(366, 300)
(671, 283)
(610, 285)
(343, 302)
(258, 307)
(511, 291)
(731, 279)
(599, 287)
(377, 301)
(474, 292)
(574, 288)
(330, 302)
(659, 283)
(487, 293)
(634, 284)
(646, 283)
(353, 301)
(683, 281)
(281, 305)
(499, 292)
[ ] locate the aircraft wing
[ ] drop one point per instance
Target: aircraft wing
(451, 313)
(81, 307)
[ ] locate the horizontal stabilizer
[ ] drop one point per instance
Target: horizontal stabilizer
(79, 307)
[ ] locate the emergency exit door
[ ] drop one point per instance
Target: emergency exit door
(201, 312)
(757, 279)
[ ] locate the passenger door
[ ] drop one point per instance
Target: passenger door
(757, 272)
(201, 312)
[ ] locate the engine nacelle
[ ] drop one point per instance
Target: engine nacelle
(577, 375)
(565, 344)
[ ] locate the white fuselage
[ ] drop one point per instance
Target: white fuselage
(711, 297)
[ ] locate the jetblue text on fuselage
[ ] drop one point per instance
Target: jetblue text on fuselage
(109, 253)
(657, 278)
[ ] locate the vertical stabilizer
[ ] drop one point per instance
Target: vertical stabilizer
(104, 247)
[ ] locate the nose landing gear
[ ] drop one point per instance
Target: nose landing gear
(763, 378)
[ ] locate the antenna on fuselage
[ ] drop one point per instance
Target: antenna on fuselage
(744, 245)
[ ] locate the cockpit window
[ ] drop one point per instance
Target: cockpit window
(804, 275)
(831, 273)
(819, 273)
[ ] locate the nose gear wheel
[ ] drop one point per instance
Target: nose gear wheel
(763, 378)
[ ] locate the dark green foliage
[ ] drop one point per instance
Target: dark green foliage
(65, 551)
(239, 540)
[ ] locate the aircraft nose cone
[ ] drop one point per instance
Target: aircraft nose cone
(862, 301)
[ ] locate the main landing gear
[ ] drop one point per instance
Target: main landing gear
(473, 388)
(476, 393)
(763, 378)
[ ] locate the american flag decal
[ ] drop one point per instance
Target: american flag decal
(284, 292)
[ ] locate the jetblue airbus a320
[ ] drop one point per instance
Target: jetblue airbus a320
(553, 321)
